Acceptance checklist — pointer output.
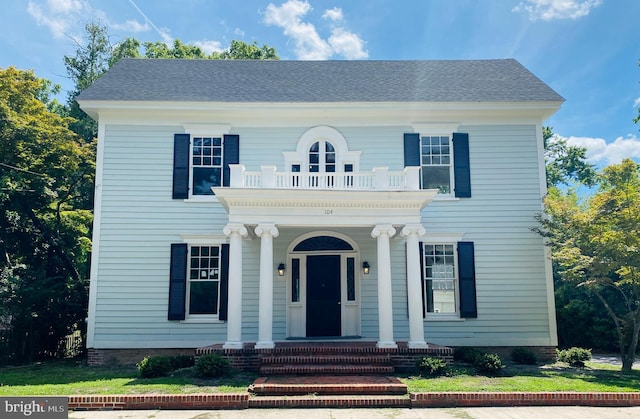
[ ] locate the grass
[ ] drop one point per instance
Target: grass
(63, 378)
(594, 377)
(73, 378)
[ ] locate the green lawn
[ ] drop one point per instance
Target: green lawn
(554, 377)
(72, 378)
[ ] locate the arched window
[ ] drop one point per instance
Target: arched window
(320, 150)
(322, 157)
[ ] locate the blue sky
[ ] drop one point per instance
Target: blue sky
(587, 50)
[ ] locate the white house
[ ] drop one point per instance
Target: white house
(247, 203)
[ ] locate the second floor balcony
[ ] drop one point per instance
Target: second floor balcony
(378, 179)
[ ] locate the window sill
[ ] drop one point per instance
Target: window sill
(443, 318)
(201, 320)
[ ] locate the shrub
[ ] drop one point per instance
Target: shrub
(488, 364)
(154, 366)
(574, 356)
(466, 354)
(431, 367)
(182, 361)
(212, 365)
(523, 356)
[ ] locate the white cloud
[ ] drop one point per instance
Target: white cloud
(208, 46)
(348, 44)
(309, 44)
(60, 16)
(601, 153)
(636, 103)
(556, 9)
(131, 25)
(334, 14)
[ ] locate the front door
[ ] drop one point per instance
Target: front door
(323, 295)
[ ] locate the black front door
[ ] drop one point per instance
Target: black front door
(323, 295)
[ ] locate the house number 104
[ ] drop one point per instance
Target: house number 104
(328, 212)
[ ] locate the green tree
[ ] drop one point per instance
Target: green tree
(239, 50)
(596, 245)
(90, 61)
(129, 48)
(43, 239)
(565, 163)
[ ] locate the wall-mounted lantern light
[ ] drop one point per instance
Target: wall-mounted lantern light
(365, 267)
(281, 269)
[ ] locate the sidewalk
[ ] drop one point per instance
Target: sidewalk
(540, 412)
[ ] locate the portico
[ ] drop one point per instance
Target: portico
(261, 213)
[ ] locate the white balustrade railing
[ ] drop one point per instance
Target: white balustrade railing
(380, 178)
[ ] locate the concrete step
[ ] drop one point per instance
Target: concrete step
(327, 385)
(329, 401)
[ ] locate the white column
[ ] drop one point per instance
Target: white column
(414, 290)
(266, 232)
(235, 232)
(385, 300)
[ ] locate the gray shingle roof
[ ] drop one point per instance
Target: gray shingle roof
(319, 81)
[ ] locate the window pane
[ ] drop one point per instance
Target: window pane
(351, 279)
(348, 167)
(331, 157)
(329, 148)
(203, 297)
(315, 148)
(295, 280)
(434, 177)
(204, 178)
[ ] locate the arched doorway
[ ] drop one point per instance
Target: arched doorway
(323, 287)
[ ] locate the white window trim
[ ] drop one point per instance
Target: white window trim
(322, 133)
(445, 238)
(431, 129)
(203, 130)
(200, 240)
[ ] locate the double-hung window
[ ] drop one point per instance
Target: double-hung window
(206, 160)
(203, 284)
(443, 161)
(448, 279)
(202, 162)
(435, 163)
(440, 277)
(198, 281)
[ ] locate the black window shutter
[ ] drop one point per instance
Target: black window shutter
(231, 156)
(177, 281)
(224, 282)
(467, 280)
(181, 166)
(411, 149)
(461, 170)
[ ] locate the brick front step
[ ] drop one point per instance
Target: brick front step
(329, 401)
(326, 369)
(327, 385)
(328, 359)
